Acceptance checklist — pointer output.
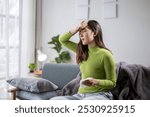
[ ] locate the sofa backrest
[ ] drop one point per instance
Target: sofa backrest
(60, 74)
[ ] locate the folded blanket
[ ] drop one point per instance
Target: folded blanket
(133, 82)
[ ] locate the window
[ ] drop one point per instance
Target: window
(9, 38)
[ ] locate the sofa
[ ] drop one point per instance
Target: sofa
(132, 82)
(58, 74)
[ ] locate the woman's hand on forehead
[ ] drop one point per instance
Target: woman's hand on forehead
(83, 24)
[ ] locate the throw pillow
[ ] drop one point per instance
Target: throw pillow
(71, 87)
(36, 85)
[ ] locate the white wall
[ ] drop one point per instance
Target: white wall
(58, 17)
(28, 35)
(128, 35)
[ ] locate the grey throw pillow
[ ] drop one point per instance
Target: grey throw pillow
(36, 85)
(72, 87)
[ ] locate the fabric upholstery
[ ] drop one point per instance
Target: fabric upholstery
(25, 95)
(36, 85)
(132, 82)
(72, 87)
(60, 74)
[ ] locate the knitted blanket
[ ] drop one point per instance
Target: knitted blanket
(133, 82)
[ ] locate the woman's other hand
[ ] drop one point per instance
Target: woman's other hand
(90, 82)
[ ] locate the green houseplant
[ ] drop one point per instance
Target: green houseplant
(32, 67)
(63, 56)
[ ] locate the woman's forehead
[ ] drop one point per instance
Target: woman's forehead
(84, 29)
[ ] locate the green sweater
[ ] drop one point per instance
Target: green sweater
(99, 65)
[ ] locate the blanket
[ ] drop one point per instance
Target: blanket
(71, 87)
(133, 82)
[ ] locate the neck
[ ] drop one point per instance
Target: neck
(93, 44)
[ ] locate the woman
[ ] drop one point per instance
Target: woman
(96, 62)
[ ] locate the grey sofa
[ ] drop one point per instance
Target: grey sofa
(59, 74)
(132, 82)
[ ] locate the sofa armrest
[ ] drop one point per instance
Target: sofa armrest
(13, 92)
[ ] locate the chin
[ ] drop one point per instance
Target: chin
(84, 43)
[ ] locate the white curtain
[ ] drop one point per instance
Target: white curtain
(38, 29)
(9, 38)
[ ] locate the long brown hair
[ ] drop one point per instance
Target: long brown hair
(82, 50)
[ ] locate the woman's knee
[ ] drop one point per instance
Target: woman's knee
(63, 98)
(59, 98)
(96, 98)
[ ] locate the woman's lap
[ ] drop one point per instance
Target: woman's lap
(89, 96)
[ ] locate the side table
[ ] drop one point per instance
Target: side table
(36, 73)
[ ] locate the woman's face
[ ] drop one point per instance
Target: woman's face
(86, 36)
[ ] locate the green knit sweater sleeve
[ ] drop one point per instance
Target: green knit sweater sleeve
(110, 71)
(64, 40)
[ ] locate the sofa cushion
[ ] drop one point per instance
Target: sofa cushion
(60, 74)
(72, 87)
(25, 95)
(36, 85)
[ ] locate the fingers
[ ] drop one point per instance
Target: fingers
(87, 82)
(83, 24)
(90, 82)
